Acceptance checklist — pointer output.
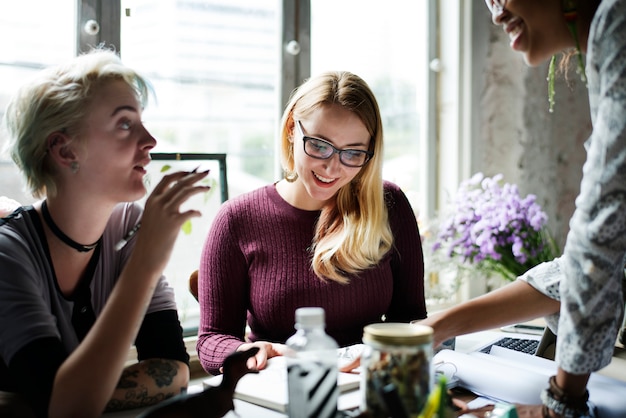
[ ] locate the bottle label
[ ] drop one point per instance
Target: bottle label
(313, 390)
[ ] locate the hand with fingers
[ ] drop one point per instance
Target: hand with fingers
(162, 218)
(266, 351)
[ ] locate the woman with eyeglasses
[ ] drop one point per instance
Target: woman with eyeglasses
(332, 234)
(580, 293)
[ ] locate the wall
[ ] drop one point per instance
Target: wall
(516, 135)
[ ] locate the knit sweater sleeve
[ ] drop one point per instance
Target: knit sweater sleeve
(222, 284)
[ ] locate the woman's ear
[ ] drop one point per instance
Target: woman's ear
(291, 126)
(61, 150)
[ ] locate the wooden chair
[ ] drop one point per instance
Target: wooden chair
(193, 284)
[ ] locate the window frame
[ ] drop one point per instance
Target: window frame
(106, 14)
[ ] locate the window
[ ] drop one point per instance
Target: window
(213, 66)
(386, 44)
(222, 74)
(26, 21)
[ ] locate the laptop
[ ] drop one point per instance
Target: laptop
(536, 341)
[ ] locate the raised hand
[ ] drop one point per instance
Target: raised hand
(162, 218)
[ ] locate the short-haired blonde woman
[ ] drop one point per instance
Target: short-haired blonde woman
(72, 302)
(332, 233)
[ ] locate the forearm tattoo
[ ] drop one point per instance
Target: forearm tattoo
(128, 379)
(162, 372)
(136, 394)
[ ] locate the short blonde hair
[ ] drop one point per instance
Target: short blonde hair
(354, 233)
(56, 100)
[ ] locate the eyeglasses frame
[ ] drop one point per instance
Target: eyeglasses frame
(306, 138)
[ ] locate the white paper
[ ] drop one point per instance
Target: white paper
(494, 378)
(514, 377)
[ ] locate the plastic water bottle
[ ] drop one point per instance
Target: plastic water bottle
(312, 367)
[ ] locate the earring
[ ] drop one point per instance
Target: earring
(74, 166)
(290, 176)
(571, 15)
(551, 70)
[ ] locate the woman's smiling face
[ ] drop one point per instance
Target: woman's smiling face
(536, 28)
(321, 179)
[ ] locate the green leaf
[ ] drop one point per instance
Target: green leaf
(187, 227)
(165, 168)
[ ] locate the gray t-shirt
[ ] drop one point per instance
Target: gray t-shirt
(31, 304)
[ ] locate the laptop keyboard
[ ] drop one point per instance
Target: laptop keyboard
(517, 344)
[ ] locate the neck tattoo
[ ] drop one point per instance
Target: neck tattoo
(60, 235)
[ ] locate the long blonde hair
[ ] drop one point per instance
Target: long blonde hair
(353, 233)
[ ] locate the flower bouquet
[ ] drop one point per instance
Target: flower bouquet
(494, 229)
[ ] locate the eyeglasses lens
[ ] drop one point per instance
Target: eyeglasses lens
(317, 148)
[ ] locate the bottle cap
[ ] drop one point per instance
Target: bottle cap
(397, 333)
(307, 317)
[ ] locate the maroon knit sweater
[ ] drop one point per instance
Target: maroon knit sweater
(256, 267)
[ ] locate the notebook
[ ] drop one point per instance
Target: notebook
(268, 388)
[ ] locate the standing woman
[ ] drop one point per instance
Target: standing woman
(71, 303)
(592, 306)
(332, 234)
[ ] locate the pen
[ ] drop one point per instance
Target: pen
(524, 329)
(534, 327)
(122, 243)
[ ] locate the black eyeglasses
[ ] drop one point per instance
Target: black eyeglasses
(496, 6)
(323, 150)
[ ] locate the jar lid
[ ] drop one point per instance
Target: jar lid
(398, 333)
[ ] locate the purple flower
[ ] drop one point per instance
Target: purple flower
(492, 226)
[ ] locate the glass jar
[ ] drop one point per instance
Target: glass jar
(396, 369)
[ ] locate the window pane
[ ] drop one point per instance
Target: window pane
(213, 65)
(385, 43)
(35, 34)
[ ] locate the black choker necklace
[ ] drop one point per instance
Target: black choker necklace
(55, 229)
